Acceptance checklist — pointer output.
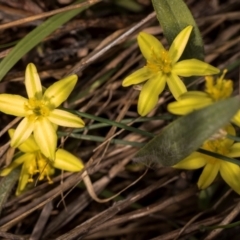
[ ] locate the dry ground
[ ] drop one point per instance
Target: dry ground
(165, 203)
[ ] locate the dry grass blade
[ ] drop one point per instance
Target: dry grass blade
(95, 55)
(43, 218)
(47, 14)
(100, 45)
(112, 211)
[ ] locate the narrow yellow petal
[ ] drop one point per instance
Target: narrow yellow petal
(14, 164)
(13, 104)
(67, 161)
(236, 119)
(65, 119)
(230, 172)
(227, 142)
(187, 105)
(193, 161)
(32, 82)
(28, 146)
(58, 92)
(176, 86)
(194, 67)
(45, 137)
(22, 132)
(24, 175)
(148, 44)
(234, 150)
(148, 97)
(137, 77)
(208, 175)
(194, 94)
(179, 44)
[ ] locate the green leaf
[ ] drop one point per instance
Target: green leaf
(129, 4)
(6, 185)
(173, 16)
(219, 156)
(111, 123)
(100, 139)
(35, 37)
(185, 135)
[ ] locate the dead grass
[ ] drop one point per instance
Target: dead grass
(164, 204)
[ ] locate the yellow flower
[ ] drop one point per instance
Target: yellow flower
(230, 172)
(215, 90)
(163, 67)
(34, 162)
(39, 111)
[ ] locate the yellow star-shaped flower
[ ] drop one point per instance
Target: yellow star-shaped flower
(163, 67)
(230, 172)
(40, 111)
(34, 162)
(215, 90)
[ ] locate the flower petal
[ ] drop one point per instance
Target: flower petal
(58, 92)
(67, 161)
(22, 132)
(227, 142)
(28, 146)
(193, 161)
(179, 44)
(194, 67)
(187, 105)
(234, 150)
(18, 161)
(176, 86)
(46, 137)
(137, 77)
(148, 44)
(208, 175)
(24, 175)
(32, 82)
(148, 97)
(194, 94)
(230, 172)
(13, 104)
(236, 119)
(66, 119)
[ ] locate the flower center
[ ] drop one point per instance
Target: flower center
(217, 146)
(37, 108)
(160, 62)
(219, 89)
(41, 166)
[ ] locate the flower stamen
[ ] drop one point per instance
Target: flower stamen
(44, 168)
(159, 63)
(219, 89)
(37, 108)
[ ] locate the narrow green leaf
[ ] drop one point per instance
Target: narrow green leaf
(185, 135)
(129, 4)
(112, 123)
(219, 156)
(6, 185)
(35, 37)
(100, 139)
(173, 16)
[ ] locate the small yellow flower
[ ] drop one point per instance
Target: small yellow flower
(40, 111)
(163, 67)
(215, 90)
(34, 162)
(230, 172)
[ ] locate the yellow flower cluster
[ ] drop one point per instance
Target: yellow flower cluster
(36, 135)
(193, 100)
(163, 67)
